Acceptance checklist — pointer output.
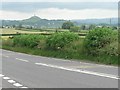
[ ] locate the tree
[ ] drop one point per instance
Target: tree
(83, 27)
(13, 26)
(74, 29)
(67, 25)
(20, 25)
(114, 28)
(92, 26)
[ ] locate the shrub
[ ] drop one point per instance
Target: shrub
(74, 29)
(99, 38)
(60, 39)
(7, 42)
(28, 40)
(111, 49)
(67, 25)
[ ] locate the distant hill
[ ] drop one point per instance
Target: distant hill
(33, 19)
(37, 22)
(107, 21)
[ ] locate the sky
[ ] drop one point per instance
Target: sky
(58, 9)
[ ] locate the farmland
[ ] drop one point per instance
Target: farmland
(13, 31)
(6, 33)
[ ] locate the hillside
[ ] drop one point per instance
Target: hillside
(107, 21)
(34, 21)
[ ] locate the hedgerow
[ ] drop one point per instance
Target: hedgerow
(61, 39)
(98, 39)
(27, 40)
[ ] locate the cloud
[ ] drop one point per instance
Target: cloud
(56, 13)
(10, 15)
(32, 6)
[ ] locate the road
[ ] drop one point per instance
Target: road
(29, 71)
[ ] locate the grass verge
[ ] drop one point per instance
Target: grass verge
(108, 60)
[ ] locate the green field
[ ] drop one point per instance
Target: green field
(13, 31)
(6, 33)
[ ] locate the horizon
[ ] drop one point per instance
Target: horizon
(61, 19)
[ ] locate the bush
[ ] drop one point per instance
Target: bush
(111, 49)
(74, 29)
(28, 40)
(7, 42)
(61, 39)
(98, 39)
(67, 25)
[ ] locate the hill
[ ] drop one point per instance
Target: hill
(107, 21)
(34, 21)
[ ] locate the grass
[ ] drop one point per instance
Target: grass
(31, 31)
(74, 52)
(13, 31)
(23, 30)
(47, 53)
(4, 37)
(64, 55)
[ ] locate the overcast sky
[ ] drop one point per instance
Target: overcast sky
(75, 9)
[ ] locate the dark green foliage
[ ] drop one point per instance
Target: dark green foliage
(67, 25)
(19, 26)
(110, 49)
(92, 26)
(59, 40)
(98, 39)
(27, 40)
(83, 27)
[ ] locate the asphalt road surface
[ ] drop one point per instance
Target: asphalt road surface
(29, 71)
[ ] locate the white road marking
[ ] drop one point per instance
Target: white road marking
(81, 62)
(22, 60)
(11, 81)
(17, 85)
(99, 65)
(6, 78)
(60, 60)
(23, 87)
(1, 75)
(81, 71)
(63, 60)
